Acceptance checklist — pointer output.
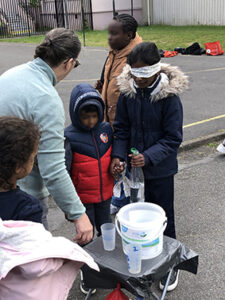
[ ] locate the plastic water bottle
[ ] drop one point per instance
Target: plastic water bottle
(136, 180)
(119, 176)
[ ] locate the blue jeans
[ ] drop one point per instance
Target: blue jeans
(122, 200)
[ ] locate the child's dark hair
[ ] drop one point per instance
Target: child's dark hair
(90, 108)
(129, 23)
(17, 142)
(146, 52)
(59, 44)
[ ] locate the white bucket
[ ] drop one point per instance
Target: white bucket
(142, 223)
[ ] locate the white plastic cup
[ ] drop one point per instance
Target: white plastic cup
(133, 254)
(108, 236)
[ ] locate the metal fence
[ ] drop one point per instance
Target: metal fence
(189, 12)
(30, 17)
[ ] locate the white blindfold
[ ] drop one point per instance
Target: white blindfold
(146, 72)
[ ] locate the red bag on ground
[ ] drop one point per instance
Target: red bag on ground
(117, 294)
(214, 48)
(168, 53)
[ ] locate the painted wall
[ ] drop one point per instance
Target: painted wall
(103, 11)
(189, 12)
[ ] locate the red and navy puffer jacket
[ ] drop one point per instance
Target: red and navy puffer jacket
(88, 152)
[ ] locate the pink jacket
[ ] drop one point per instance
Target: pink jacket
(35, 265)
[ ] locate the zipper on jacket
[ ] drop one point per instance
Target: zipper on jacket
(110, 69)
(106, 98)
(99, 164)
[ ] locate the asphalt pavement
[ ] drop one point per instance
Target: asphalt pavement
(199, 185)
(200, 224)
(203, 101)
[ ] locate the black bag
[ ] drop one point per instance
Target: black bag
(194, 49)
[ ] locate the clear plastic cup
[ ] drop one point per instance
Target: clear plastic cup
(108, 236)
(133, 254)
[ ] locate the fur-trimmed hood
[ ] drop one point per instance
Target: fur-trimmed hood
(174, 83)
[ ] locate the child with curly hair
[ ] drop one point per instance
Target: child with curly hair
(18, 148)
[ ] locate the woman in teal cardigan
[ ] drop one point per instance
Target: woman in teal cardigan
(28, 92)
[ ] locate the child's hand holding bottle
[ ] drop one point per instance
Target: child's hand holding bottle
(116, 167)
(137, 161)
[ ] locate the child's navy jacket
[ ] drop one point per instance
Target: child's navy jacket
(17, 205)
(88, 151)
(151, 120)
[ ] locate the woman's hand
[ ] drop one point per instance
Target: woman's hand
(98, 86)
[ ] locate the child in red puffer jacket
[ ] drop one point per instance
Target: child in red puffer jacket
(88, 153)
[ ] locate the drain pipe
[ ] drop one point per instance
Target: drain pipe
(150, 11)
(67, 17)
(114, 8)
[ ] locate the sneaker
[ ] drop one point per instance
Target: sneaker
(172, 283)
(114, 209)
(221, 148)
(83, 288)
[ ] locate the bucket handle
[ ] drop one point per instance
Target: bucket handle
(161, 230)
(117, 227)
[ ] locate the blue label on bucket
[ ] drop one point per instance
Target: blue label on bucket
(124, 229)
(144, 245)
(153, 243)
